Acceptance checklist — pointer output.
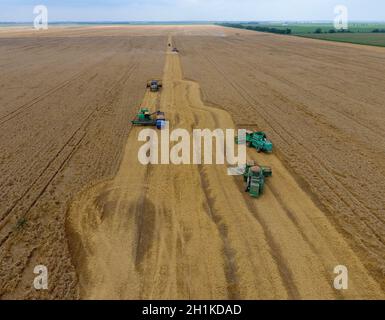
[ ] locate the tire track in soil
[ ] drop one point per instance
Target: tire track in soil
(269, 119)
(20, 109)
(72, 143)
(190, 232)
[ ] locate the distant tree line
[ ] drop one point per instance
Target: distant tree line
(319, 30)
(257, 28)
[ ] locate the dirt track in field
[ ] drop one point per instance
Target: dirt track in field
(136, 231)
(189, 232)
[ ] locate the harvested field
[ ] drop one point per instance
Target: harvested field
(75, 198)
(323, 105)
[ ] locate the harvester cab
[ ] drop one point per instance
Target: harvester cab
(145, 118)
(254, 177)
(154, 85)
(257, 140)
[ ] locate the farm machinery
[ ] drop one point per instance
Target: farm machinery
(254, 177)
(145, 118)
(257, 140)
(154, 85)
(175, 50)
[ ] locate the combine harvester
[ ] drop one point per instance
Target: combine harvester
(145, 118)
(257, 140)
(154, 85)
(254, 177)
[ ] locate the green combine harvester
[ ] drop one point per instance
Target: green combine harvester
(254, 177)
(145, 118)
(257, 140)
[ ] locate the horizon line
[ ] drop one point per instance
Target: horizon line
(180, 21)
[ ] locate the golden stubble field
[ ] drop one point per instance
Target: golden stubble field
(74, 197)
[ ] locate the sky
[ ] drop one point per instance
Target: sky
(191, 10)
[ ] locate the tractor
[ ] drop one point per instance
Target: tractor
(145, 118)
(154, 85)
(257, 140)
(254, 177)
